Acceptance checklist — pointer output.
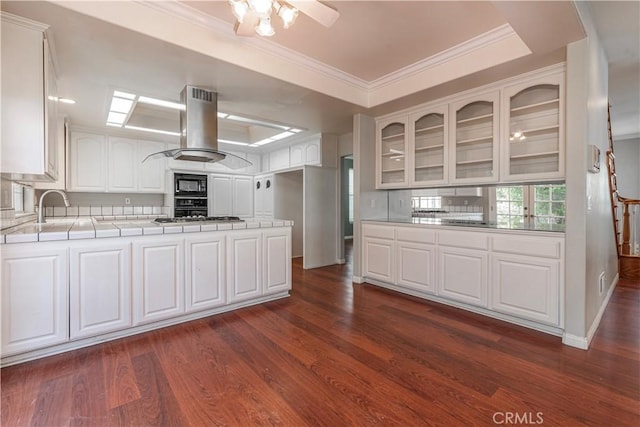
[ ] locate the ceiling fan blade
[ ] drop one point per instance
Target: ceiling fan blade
(320, 12)
(248, 25)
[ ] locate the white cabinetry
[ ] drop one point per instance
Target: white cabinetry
(99, 288)
(474, 132)
(526, 277)
(378, 247)
(429, 146)
(152, 173)
(264, 197)
(416, 257)
(34, 298)
(306, 153)
(221, 195)
(277, 260)
(231, 195)
(279, 159)
(244, 264)
(533, 129)
(122, 165)
(391, 152)
(29, 147)
(87, 162)
(158, 280)
(205, 272)
(463, 275)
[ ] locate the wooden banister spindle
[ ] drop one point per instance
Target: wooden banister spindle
(625, 230)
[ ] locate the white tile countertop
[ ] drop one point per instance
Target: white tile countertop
(87, 227)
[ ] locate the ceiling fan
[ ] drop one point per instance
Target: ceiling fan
(254, 16)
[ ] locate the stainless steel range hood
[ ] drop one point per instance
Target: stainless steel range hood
(199, 131)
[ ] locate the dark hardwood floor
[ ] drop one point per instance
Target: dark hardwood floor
(338, 354)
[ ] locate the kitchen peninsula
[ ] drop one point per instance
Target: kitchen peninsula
(76, 281)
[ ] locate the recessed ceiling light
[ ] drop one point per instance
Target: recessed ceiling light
(125, 95)
(161, 103)
(115, 117)
(164, 132)
(63, 100)
(121, 105)
(226, 141)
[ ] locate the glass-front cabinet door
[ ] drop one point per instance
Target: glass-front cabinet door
(391, 153)
(428, 145)
(533, 132)
(474, 135)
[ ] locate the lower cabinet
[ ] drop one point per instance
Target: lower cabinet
(244, 260)
(276, 249)
(158, 280)
(463, 275)
(526, 287)
(205, 272)
(99, 289)
(379, 258)
(34, 298)
(416, 266)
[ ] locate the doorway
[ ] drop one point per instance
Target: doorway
(346, 204)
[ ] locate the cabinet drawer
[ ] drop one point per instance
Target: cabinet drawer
(380, 231)
(416, 235)
(547, 247)
(463, 239)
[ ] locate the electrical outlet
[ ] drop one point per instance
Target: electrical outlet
(601, 283)
(127, 201)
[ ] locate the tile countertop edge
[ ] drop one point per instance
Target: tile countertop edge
(102, 229)
(465, 227)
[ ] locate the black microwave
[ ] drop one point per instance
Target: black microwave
(190, 185)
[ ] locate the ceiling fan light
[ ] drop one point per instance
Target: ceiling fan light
(264, 28)
(262, 7)
(288, 14)
(239, 9)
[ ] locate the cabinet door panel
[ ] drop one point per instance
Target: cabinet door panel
(297, 155)
(87, 162)
(526, 287)
(416, 266)
(151, 174)
(204, 261)
(391, 149)
(312, 153)
(122, 165)
(243, 196)
(277, 260)
(221, 193)
(158, 280)
(100, 289)
(379, 258)
(34, 299)
(463, 275)
(244, 265)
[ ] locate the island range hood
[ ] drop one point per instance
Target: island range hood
(199, 131)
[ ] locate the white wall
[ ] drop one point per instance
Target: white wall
(320, 217)
(590, 247)
(627, 154)
(345, 145)
(288, 203)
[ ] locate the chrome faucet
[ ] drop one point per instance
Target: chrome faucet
(41, 219)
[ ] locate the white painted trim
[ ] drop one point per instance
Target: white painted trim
(357, 279)
(341, 261)
(23, 22)
(584, 342)
(596, 321)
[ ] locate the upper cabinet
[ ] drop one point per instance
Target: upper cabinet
(429, 144)
(509, 131)
(474, 132)
(533, 132)
(391, 152)
(317, 150)
(98, 163)
(28, 114)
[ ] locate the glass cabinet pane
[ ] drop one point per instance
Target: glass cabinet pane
(474, 140)
(534, 130)
(393, 153)
(429, 148)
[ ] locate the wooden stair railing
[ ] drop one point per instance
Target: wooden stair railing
(628, 211)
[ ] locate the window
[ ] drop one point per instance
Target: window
(351, 195)
(535, 204)
(426, 202)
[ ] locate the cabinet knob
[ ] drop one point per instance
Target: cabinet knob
(268, 183)
(258, 185)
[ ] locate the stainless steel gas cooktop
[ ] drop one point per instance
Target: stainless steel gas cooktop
(198, 219)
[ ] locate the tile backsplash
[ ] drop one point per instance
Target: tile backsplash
(57, 211)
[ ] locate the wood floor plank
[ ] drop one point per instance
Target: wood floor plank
(337, 353)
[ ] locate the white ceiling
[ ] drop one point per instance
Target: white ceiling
(378, 57)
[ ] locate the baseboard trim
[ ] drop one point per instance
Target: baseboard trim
(583, 343)
(357, 279)
(341, 261)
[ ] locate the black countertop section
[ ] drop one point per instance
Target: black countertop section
(557, 228)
